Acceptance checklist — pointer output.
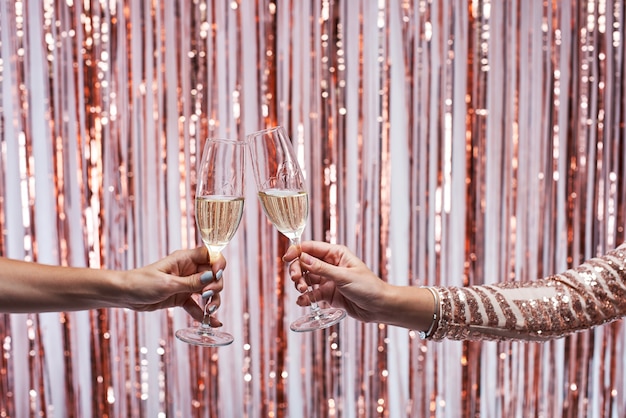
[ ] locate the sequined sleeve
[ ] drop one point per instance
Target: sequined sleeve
(591, 294)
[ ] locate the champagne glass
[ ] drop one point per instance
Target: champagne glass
(285, 201)
(219, 209)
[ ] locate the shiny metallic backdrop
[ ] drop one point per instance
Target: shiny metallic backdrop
(445, 142)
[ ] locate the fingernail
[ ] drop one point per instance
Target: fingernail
(218, 275)
(212, 308)
(206, 277)
(207, 294)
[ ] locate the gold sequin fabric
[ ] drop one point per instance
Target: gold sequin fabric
(591, 294)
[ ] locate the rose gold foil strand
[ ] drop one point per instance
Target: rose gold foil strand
(7, 407)
(63, 182)
(415, 41)
(277, 349)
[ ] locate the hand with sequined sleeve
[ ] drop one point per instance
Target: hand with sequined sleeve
(588, 295)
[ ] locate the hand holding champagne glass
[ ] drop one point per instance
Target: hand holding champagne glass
(285, 201)
(219, 209)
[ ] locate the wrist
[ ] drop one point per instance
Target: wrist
(411, 307)
(106, 288)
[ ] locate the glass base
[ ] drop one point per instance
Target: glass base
(204, 336)
(319, 319)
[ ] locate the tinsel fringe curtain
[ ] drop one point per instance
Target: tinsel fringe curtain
(445, 142)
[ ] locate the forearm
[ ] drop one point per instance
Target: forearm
(32, 287)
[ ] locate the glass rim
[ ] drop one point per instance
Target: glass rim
(225, 140)
(266, 130)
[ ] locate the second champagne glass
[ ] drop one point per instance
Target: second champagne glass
(219, 208)
(285, 201)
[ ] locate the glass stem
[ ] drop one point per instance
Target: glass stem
(206, 319)
(315, 308)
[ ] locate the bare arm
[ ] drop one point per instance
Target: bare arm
(33, 287)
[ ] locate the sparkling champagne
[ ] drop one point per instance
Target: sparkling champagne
(218, 218)
(286, 209)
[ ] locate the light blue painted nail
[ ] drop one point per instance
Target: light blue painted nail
(218, 275)
(207, 294)
(212, 309)
(206, 277)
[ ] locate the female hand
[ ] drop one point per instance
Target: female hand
(172, 280)
(341, 279)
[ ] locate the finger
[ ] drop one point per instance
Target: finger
(307, 298)
(316, 266)
(205, 280)
(313, 279)
(297, 276)
(295, 271)
(215, 323)
(213, 306)
(193, 309)
(197, 312)
(213, 281)
(292, 253)
(302, 283)
(303, 300)
(214, 302)
(324, 251)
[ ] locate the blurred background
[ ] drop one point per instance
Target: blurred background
(444, 142)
